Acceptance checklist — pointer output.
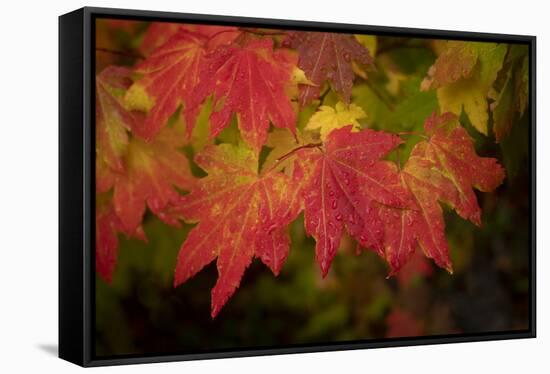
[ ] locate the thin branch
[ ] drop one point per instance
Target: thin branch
(398, 159)
(120, 53)
(403, 133)
(377, 93)
(323, 95)
(292, 153)
(264, 33)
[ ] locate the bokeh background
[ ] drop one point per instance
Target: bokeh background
(141, 313)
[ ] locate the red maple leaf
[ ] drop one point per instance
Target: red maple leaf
(171, 76)
(152, 170)
(250, 81)
(346, 180)
(141, 173)
(424, 223)
(452, 152)
(443, 168)
(240, 214)
(327, 56)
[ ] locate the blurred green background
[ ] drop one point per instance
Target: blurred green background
(141, 312)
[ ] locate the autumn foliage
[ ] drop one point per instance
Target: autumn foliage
(162, 147)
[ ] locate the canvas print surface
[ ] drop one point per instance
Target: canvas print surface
(263, 188)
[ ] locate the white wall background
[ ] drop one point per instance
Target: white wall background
(28, 183)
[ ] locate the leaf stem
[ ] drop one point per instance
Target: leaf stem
(402, 133)
(292, 153)
(323, 96)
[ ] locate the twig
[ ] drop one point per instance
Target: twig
(412, 133)
(264, 33)
(398, 159)
(376, 92)
(323, 95)
(291, 153)
(120, 53)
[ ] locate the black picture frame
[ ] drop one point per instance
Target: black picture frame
(77, 173)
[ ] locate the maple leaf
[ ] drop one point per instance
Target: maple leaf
(170, 77)
(328, 118)
(113, 122)
(152, 170)
(424, 223)
(250, 81)
(240, 214)
(455, 62)
(464, 75)
(443, 168)
(452, 152)
(346, 178)
(511, 101)
(143, 173)
(327, 56)
(139, 172)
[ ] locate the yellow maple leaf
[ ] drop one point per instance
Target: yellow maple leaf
(470, 95)
(328, 118)
(471, 90)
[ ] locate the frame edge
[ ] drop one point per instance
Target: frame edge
(71, 254)
(74, 201)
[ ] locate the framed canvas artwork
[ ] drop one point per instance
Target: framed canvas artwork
(236, 186)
